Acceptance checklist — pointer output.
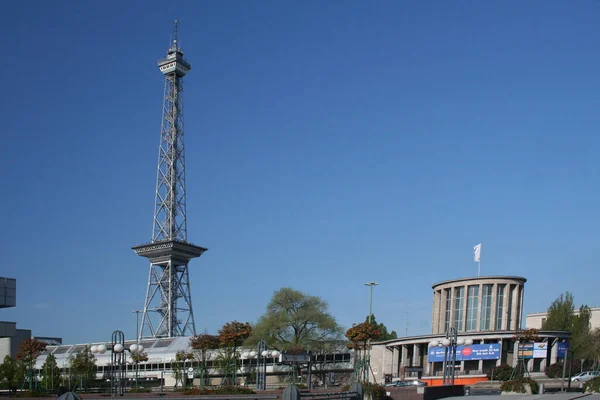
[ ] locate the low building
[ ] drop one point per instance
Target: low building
(487, 310)
(10, 336)
(536, 320)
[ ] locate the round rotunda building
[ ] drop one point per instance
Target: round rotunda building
(493, 303)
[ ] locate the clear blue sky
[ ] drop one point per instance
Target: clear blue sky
(329, 143)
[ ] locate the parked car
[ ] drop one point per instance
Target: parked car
(585, 376)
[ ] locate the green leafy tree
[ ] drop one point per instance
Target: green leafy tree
(50, 373)
(295, 321)
(83, 366)
(12, 373)
(29, 351)
(560, 313)
(179, 366)
(384, 335)
(562, 317)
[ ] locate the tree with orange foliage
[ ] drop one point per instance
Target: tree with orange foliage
(360, 335)
(29, 351)
(231, 335)
(201, 345)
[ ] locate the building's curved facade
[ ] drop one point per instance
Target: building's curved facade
(492, 303)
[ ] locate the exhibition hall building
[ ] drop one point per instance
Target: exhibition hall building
(487, 311)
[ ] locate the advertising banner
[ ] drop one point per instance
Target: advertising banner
(464, 353)
(562, 349)
(540, 350)
(525, 350)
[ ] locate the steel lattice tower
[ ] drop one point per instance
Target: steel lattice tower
(168, 306)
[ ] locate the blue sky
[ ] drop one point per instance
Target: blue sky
(328, 144)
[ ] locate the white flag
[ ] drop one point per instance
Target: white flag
(477, 253)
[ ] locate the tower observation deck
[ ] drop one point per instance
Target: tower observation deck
(168, 305)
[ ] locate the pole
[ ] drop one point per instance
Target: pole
(371, 306)
(562, 385)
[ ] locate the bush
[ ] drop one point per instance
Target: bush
(518, 386)
(234, 390)
(500, 373)
(377, 392)
(221, 390)
(139, 390)
(592, 386)
(554, 370)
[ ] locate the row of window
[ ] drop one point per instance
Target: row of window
(471, 307)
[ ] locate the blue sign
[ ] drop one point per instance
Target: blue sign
(561, 349)
(464, 353)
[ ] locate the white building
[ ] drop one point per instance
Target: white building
(536, 320)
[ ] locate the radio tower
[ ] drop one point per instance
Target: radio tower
(168, 305)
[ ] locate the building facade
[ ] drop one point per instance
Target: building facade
(478, 304)
(487, 310)
(536, 320)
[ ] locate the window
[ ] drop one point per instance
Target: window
(459, 308)
(448, 293)
(486, 307)
(499, 306)
(472, 306)
(510, 307)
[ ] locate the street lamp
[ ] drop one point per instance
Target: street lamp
(261, 354)
(450, 344)
(371, 284)
(117, 360)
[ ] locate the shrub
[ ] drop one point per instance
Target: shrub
(376, 391)
(234, 390)
(220, 390)
(139, 390)
(554, 370)
(518, 386)
(500, 373)
(592, 386)
(345, 388)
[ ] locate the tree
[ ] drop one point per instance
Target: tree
(29, 351)
(362, 334)
(385, 335)
(137, 358)
(201, 345)
(179, 366)
(295, 320)
(11, 373)
(562, 317)
(560, 313)
(231, 335)
(50, 373)
(83, 365)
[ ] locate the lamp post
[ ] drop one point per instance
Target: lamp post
(371, 284)
(261, 354)
(450, 344)
(137, 325)
(117, 361)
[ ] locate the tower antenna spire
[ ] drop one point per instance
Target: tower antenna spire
(175, 44)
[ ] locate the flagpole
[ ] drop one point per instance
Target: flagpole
(478, 267)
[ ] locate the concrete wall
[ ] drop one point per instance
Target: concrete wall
(9, 346)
